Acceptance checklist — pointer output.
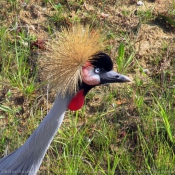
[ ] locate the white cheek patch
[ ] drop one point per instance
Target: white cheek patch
(89, 76)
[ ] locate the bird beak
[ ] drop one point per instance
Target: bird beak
(113, 77)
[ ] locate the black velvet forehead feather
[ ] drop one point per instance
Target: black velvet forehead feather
(102, 60)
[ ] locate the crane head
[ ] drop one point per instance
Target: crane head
(97, 71)
(74, 64)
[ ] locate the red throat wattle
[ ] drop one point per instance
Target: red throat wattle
(77, 101)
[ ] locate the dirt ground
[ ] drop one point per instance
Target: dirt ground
(147, 38)
(142, 29)
(33, 16)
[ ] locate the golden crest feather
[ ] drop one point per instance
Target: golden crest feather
(67, 53)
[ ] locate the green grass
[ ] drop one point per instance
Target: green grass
(126, 129)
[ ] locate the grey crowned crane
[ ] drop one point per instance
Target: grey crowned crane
(75, 64)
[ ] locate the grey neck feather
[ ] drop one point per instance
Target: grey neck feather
(28, 158)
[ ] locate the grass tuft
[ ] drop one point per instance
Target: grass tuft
(122, 129)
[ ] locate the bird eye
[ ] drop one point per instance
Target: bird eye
(97, 70)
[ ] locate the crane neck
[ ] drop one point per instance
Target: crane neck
(30, 155)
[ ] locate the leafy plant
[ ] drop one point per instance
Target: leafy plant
(122, 62)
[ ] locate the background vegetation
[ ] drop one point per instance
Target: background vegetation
(122, 129)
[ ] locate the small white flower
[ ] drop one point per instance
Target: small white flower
(140, 3)
(25, 44)
(104, 15)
